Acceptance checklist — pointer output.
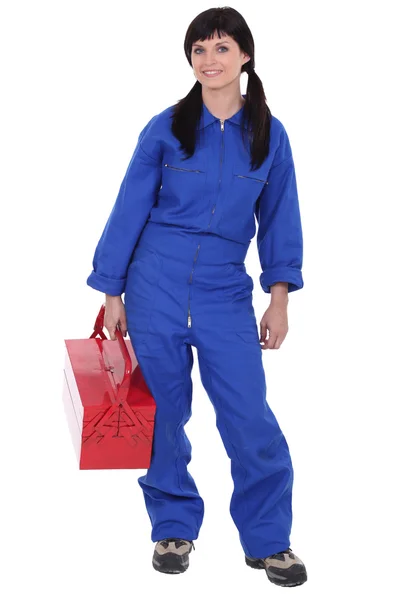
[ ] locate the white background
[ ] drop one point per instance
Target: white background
(80, 80)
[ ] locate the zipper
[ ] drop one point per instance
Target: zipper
(189, 321)
(180, 169)
(220, 165)
(253, 178)
(190, 281)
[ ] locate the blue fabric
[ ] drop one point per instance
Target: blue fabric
(176, 243)
(213, 192)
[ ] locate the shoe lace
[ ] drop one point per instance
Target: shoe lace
(281, 552)
(173, 539)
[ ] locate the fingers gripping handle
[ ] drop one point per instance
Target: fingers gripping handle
(123, 387)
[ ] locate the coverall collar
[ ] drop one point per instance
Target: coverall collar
(207, 117)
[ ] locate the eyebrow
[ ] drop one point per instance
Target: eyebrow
(218, 44)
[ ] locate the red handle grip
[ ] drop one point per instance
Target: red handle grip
(122, 387)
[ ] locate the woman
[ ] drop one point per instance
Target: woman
(175, 244)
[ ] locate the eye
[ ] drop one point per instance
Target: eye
(220, 48)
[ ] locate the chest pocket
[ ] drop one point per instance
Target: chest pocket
(249, 179)
(168, 166)
(248, 185)
(177, 179)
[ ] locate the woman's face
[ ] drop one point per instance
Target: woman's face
(217, 54)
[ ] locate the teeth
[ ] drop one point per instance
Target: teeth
(211, 72)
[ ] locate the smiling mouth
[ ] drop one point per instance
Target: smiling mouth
(212, 73)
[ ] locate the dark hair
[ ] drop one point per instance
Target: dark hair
(257, 115)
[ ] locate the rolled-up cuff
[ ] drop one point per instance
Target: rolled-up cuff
(107, 285)
(293, 277)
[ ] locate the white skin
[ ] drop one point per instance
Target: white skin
(223, 98)
(221, 94)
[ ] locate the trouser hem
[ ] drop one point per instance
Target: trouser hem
(269, 549)
(155, 537)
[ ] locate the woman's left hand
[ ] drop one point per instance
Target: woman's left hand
(275, 320)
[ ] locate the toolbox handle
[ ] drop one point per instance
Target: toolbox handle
(98, 330)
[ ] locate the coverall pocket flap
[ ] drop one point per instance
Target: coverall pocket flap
(238, 283)
(238, 272)
(141, 291)
(148, 262)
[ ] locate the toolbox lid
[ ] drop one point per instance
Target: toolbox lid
(99, 367)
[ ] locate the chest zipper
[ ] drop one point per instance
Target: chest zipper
(180, 169)
(254, 178)
(189, 323)
(220, 167)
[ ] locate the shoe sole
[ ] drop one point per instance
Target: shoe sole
(256, 563)
(171, 563)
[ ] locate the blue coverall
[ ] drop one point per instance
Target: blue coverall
(175, 244)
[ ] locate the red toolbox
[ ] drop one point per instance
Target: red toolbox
(109, 408)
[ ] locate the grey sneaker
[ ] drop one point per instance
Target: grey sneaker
(171, 555)
(283, 568)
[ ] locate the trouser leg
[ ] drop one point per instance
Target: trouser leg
(172, 500)
(232, 373)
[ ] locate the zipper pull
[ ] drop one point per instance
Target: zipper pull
(222, 125)
(189, 321)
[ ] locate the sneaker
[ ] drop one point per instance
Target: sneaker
(283, 568)
(171, 555)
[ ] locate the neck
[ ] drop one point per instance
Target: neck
(221, 103)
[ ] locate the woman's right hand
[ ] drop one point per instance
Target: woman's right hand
(115, 314)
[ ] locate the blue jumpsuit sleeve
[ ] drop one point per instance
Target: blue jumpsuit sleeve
(136, 197)
(279, 236)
